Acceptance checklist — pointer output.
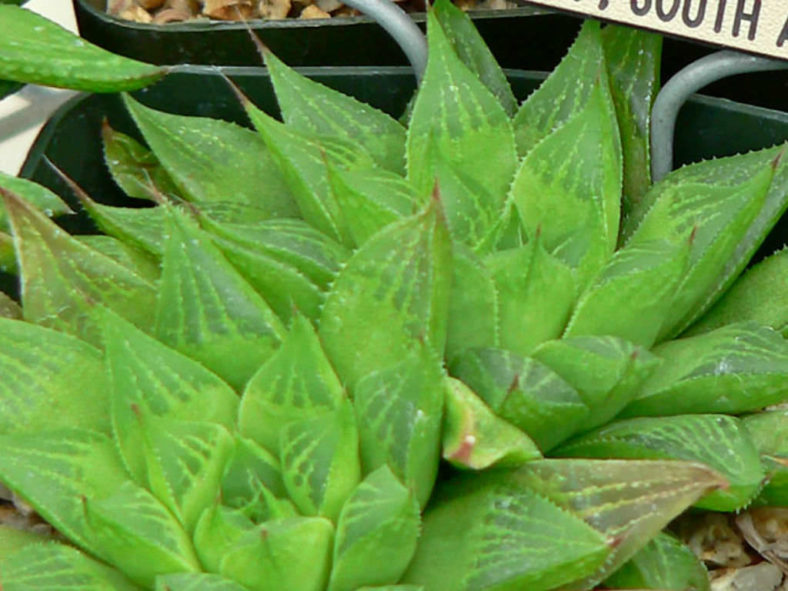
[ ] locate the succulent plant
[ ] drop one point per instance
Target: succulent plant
(250, 382)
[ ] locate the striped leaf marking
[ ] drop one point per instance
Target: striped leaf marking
(63, 280)
(719, 441)
(314, 108)
(206, 310)
(734, 369)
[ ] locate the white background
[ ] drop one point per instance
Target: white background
(23, 114)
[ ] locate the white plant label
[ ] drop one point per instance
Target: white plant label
(756, 26)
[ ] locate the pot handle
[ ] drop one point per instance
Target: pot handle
(400, 26)
(679, 88)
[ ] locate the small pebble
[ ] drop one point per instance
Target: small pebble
(759, 577)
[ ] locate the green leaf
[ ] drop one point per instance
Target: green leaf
(734, 369)
(769, 432)
(296, 383)
(535, 293)
(715, 218)
(9, 308)
(207, 311)
(486, 531)
(474, 437)
(288, 262)
(196, 582)
(304, 159)
(718, 441)
(291, 242)
(218, 531)
(50, 380)
(473, 316)
(132, 258)
(633, 294)
(186, 461)
(13, 539)
(313, 108)
(377, 533)
(148, 378)
(56, 471)
(7, 254)
(523, 392)
(619, 368)
(568, 188)
(473, 213)
(141, 227)
(50, 566)
(138, 535)
(474, 53)
(36, 195)
(456, 117)
(629, 501)
(729, 172)
(663, 563)
(391, 293)
(211, 160)
(249, 470)
(293, 553)
(320, 461)
(633, 66)
(36, 50)
(399, 414)
(63, 280)
(372, 199)
(565, 92)
(760, 296)
(133, 167)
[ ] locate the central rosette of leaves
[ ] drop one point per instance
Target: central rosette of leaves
(251, 384)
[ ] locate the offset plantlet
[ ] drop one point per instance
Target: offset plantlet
(251, 384)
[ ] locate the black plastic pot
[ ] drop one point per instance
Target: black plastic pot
(527, 37)
(532, 36)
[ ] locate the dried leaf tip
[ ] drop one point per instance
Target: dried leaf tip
(693, 234)
(242, 98)
(78, 191)
(262, 49)
(778, 159)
